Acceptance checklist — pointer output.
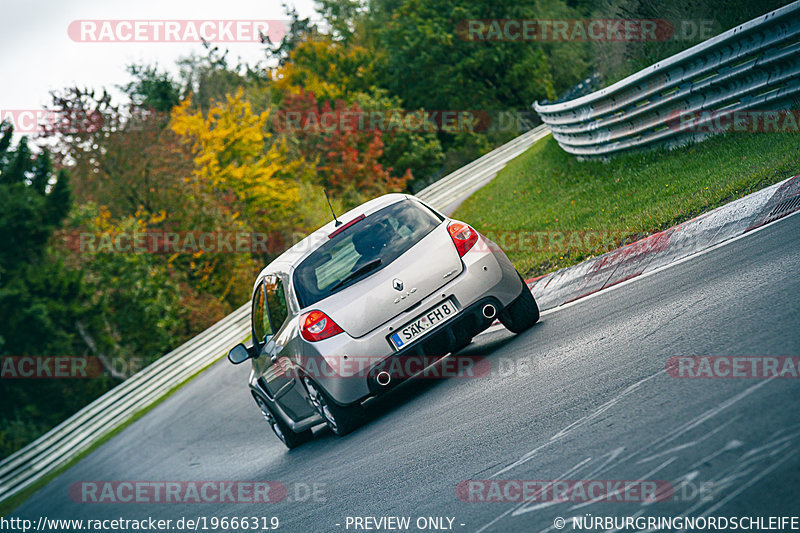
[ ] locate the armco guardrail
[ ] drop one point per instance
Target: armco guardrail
(76, 434)
(754, 66)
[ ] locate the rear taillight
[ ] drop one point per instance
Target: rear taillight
(464, 237)
(316, 325)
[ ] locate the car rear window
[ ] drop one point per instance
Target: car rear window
(385, 235)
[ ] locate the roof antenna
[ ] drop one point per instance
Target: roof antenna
(338, 223)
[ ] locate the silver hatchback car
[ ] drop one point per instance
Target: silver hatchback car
(368, 301)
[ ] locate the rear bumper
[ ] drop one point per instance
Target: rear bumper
(488, 277)
(447, 337)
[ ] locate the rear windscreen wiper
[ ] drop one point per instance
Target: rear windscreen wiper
(375, 263)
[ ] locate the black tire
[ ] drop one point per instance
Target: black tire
(286, 435)
(341, 420)
(522, 313)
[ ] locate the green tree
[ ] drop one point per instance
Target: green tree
(405, 149)
(152, 88)
(41, 297)
(34, 203)
(693, 22)
(211, 77)
(433, 65)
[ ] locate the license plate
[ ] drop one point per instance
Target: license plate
(420, 325)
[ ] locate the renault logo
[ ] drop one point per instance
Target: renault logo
(397, 284)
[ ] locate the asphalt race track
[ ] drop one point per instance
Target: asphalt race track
(583, 395)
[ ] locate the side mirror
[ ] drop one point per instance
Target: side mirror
(239, 354)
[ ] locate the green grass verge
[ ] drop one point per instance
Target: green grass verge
(563, 207)
(7, 506)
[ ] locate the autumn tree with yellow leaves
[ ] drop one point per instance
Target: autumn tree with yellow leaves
(235, 161)
(331, 70)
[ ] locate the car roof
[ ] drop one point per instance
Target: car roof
(299, 251)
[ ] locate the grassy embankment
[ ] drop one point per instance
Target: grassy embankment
(548, 210)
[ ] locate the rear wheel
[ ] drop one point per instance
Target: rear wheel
(522, 313)
(288, 437)
(341, 420)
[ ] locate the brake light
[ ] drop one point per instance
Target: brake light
(340, 229)
(464, 237)
(316, 326)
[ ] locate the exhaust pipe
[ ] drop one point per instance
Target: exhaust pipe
(489, 311)
(383, 378)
